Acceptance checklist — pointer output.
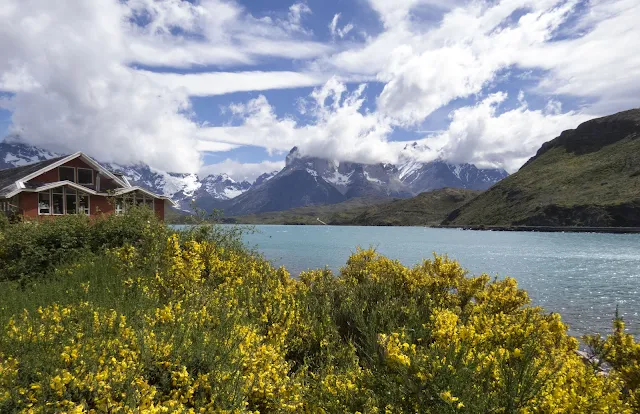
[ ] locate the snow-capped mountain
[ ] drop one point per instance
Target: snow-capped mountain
(16, 154)
(310, 180)
(408, 178)
(184, 189)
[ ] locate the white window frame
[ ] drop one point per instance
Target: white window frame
(87, 210)
(64, 201)
(48, 192)
(121, 205)
(75, 173)
(64, 195)
(78, 176)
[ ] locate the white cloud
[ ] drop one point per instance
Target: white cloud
(80, 96)
(479, 134)
(337, 31)
(340, 130)
(241, 171)
(601, 65)
(212, 146)
(482, 136)
(220, 83)
(215, 32)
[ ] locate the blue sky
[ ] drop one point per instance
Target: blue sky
(213, 86)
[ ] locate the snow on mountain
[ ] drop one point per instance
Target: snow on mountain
(15, 154)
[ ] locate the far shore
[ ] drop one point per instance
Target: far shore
(542, 229)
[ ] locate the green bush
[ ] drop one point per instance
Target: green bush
(34, 248)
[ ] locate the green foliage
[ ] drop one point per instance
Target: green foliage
(4, 222)
(32, 249)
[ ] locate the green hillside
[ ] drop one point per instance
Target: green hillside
(425, 209)
(589, 176)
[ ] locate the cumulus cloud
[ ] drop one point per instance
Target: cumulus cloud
(481, 135)
(79, 96)
(341, 130)
(240, 171)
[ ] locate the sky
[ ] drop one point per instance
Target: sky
(212, 86)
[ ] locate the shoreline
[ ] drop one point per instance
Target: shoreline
(547, 229)
(539, 229)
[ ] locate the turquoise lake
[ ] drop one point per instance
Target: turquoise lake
(582, 276)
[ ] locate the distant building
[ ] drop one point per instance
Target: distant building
(73, 184)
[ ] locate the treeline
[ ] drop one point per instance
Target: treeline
(123, 314)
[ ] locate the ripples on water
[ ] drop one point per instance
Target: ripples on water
(583, 276)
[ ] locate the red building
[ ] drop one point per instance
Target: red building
(73, 184)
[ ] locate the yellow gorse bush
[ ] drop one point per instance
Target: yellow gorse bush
(214, 329)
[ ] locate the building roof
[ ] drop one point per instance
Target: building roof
(9, 176)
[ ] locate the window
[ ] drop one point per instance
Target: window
(44, 203)
(83, 203)
(67, 173)
(119, 206)
(148, 201)
(57, 200)
(85, 176)
(72, 201)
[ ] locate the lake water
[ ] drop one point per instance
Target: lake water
(582, 276)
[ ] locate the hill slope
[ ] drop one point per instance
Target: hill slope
(589, 176)
(424, 209)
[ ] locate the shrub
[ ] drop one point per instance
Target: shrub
(208, 328)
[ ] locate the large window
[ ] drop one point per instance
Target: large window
(67, 173)
(63, 200)
(83, 203)
(44, 203)
(57, 200)
(85, 176)
(131, 199)
(72, 201)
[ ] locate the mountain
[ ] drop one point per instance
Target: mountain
(184, 189)
(307, 181)
(16, 154)
(588, 176)
(290, 188)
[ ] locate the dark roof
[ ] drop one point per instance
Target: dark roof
(9, 176)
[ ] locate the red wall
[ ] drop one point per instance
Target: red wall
(101, 205)
(159, 208)
(53, 176)
(28, 203)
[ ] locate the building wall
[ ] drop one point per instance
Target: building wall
(52, 176)
(28, 203)
(101, 205)
(159, 208)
